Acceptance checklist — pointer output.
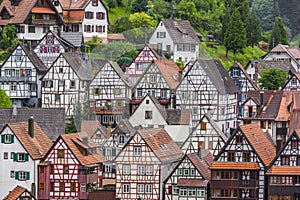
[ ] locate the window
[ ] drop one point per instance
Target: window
(51, 169)
(230, 156)
(179, 171)
(126, 169)
(235, 72)
(100, 29)
(22, 176)
(42, 169)
(192, 192)
(21, 29)
(61, 70)
(149, 170)
(183, 192)
(12, 155)
(66, 169)
(246, 157)
(48, 84)
(61, 187)
(89, 15)
(294, 81)
(97, 91)
(12, 174)
(46, 17)
(31, 29)
(60, 153)
(148, 188)
(137, 151)
(117, 91)
(57, 97)
(88, 28)
(163, 94)
(61, 83)
(51, 186)
(5, 155)
(200, 192)
(263, 124)
(18, 55)
(139, 93)
(140, 188)
(13, 87)
(121, 139)
(294, 144)
(72, 84)
(100, 15)
(161, 34)
(285, 160)
(148, 114)
(20, 157)
(186, 172)
(184, 95)
(141, 169)
(42, 186)
(7, 138)
(73, 187)
(153, 79)
(195, 111)
(108, 151)
(238, 139)
(203, 126)
(126, 188)
(95, 3)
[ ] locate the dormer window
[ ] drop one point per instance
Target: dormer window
(235, 72)
(294, 81)
(161, 34)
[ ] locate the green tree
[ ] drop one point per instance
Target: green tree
(253, 30)
(4, 100)
(278, 34)
(141, 19)
(272, 79)
(123, 60)
(140, 6)
(235, 36)
(185, 9)
(160, 9)
(122, 24)
(9, 36)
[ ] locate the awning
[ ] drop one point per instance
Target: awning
(42, 10)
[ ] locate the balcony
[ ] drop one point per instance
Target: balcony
(284, 189)
(109, 110)
(43, 22)
(233, 184)
(162, 101)
(281, 131)
(17, 79)
(235, 198)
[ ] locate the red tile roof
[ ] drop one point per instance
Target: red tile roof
(169, 70)
(16, 193)
(187, 182)
(37, 146)
(279, 48)
(235, 165)
(42, 10)
(294, 52)
(202, 164)
(284, 170)
(257, 137)
(161, 144)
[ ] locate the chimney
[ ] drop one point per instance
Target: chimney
(200, 147)
(15, 112)
(261, 98)
(85, 141)
(255, 76)
(179, 78)
(173, 100)
(31, 127)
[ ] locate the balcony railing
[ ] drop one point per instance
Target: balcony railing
(163, 101)
(233, 183)
(43, 22)
(17, 79)
(235, 198)
(281, 131)
(109, 110)
(284, 189)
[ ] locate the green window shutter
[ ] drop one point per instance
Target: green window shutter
(114, 91)
(12, 138)
(15, 157)
(2, 138)
(114, 151)
(93, 91)
(17, 175)
(120, 91)
(26, 157)
(99, 91)
(27, 175)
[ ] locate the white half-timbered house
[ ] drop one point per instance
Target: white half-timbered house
(87, 16)
(110, 94)
(190, 178)
(19, 193)
(94, 131)
(206, 135)
(143, 164)
(140, 63)
(160, 80)
(19, 78)
(283, 174)
(22, 147)
(242, 79)
(238, 171)
(71, 168)
(178, 38)
(50, 46)
(111, 148)
(293, 82)
(207, 88)
(65, 83)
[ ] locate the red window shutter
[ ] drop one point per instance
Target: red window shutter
(47, 39)
(170, 189)
(41, 49)
(52, 42)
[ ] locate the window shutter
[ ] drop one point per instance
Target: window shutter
(240, 84)
(27, 175)
(26, 156)
(2, 138)
(240, 97)
(114, 91)
(231, 72)
(239, 72)
(15, 157)
(113, 169)
(17, 175)
(99, 91)
(104, 151)
(120, 91)
(170, 189)
(12, 138)
(114, 152)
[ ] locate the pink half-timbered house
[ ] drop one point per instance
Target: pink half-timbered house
(144, 163)
(141, 62)
(70, 169)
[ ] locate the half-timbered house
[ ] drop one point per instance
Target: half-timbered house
(238, 171)
(242, 79)
(19, 193)
(293, 82)
(111, 148)
(143, 164)
(110, 94)
(140, 63)
(160, 80)
(190, 178)
(65, 83)
(33, 18)
(206, 135)
(283, 174)
(50, 46)
(22, 147)
(94, 131)
(178, 38)
(207, 88)
(71, 168)
(87, 16)
(20, 74)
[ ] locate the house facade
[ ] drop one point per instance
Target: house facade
(65, 83)
(109, 95)
(207, 88)
(20, 74)
(32, 18)
(178, 38)
(238, 171)
(143, 163)
(23, 145)
(70, 169)
(19, 193)
(292, 83)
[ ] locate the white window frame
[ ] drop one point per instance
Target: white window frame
(7, 139)
(22, 175)
(140, 188)
(148, 188)
(126, 169)
(141, 169)
(153, 79)
(137, 151)
(21, 157)
(126, 188)
(149, 169)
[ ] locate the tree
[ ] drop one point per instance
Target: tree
(4, 100)
(272, 79)
(235, 36)
(142, 19)
(160, 9)
(9, 36)
(278, 34)
(185, 9)
(140, 6)
(253, 30)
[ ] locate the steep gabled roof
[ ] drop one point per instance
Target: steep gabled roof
(89, 128)
(75, 38)
(169, 71)
(262, 64)
(16, 193)
(161, 144)
(37, 146)
(202, 163)
(124, 126)
(279, 48)
(178, 116)
(181, 31)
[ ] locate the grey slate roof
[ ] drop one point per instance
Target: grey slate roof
(75, 38)
(124, 126)
(51, 120)
(282, 65)
(177, 28)
(219, 76)
(34, 58)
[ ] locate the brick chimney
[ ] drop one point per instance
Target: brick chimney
(31, 127)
